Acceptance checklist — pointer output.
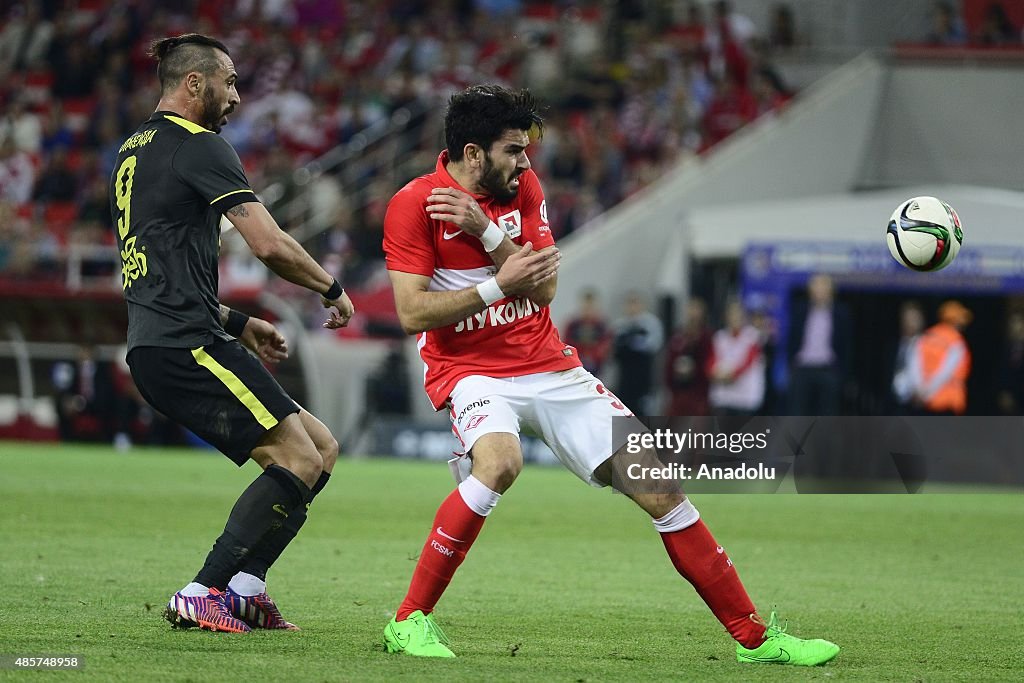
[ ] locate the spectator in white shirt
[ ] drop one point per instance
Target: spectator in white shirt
(737, 368)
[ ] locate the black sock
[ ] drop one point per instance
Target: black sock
(271, 547)
(265, 506)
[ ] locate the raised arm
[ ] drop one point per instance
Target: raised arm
(544, 293)
(457, 207)
(420, 309)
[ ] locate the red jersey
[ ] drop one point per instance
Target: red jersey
(511, 337)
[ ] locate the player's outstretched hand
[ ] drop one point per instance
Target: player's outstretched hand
(264, 340)
(342, 313)
(525, 269)
(457, 208)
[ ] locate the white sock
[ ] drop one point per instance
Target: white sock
(477, 496)
(194, 590)
(681, 516)
(247, 584)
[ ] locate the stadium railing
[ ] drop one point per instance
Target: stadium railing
(375, 153)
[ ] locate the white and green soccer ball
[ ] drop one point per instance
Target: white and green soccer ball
(924, 234)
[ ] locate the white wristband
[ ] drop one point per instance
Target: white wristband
(489, 291)
(493, 237)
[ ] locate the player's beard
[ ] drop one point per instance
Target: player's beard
(213, 111)
(495, 183)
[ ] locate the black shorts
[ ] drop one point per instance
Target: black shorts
(219, 391)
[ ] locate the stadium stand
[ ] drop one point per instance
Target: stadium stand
(347, 85)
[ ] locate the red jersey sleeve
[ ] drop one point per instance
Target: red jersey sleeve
(408, 239)
(535, 212)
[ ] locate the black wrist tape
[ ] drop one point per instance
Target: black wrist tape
(334, 292)
(236, 323)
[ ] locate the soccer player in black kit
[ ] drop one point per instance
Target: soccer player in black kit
(173, 181)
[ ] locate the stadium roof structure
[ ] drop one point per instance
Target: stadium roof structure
(990, 217)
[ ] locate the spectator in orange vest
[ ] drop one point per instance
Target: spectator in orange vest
(941, 363)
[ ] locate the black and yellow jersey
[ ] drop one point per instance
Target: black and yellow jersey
(173, 180)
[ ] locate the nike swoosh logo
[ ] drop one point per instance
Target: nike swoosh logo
(278, 508)
(777, 658)
(401, 642)
(449, 236)
(451, 538)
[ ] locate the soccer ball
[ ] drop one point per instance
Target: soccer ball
(924, 234)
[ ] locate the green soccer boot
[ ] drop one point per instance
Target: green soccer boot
(419, 636)
(781, 648)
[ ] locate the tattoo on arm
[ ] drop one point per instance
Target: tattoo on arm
(239, 210)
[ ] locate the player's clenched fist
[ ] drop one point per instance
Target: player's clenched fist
(526, 269)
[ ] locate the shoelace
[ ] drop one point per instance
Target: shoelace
(269, 607)
(220, 602)
(772, 624)
(433, 633)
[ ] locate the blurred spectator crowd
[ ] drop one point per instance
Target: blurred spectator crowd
(632, 87)
(729, 371)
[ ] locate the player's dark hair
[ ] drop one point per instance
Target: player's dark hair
(178, 55)
(482, 113)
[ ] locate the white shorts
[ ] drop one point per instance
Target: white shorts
(571, 410)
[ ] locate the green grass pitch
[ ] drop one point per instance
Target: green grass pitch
(566, 583)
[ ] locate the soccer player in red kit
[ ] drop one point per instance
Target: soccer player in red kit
(473, 266)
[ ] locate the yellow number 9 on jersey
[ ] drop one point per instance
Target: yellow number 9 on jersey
(123, 194)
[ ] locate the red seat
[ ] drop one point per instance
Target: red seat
(36, 88)
(39, 79)
(60, 212)
(59, 218)
(74, 159)
(60, 231)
